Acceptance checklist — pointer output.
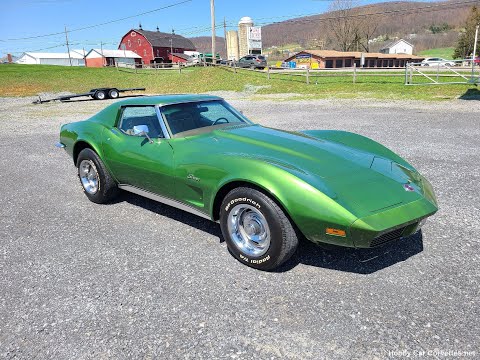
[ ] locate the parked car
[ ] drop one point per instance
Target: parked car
(468, 61)
(252, 62)
(266, 187)
(437, 62)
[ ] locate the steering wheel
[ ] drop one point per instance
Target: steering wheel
(221, 118)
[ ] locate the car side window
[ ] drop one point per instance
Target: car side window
(140, 115)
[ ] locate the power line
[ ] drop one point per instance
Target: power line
(199, 30)
(101, 24)
(428, 8)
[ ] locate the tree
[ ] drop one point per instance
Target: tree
(351, 28)
(465, 42)
(342, 23)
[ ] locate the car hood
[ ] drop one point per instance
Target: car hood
(360, 179)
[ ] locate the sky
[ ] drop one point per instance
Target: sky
(35, 18)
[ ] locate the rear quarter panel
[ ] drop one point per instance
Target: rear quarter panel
(82, 131)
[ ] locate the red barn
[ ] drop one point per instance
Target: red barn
(154, 46)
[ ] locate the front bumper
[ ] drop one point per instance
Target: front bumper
(391, 224)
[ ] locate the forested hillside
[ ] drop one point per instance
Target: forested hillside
(425, 24)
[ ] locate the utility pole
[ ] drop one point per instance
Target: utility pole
(68, 46)
(101, 52)
(225, 35)
(212, 14)
(474, 51)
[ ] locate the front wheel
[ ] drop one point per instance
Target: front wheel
(100, 95)
(97, 183)
(257, 231)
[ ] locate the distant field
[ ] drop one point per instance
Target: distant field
(29, 80)
(446, 53)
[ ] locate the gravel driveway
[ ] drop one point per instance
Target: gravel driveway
(138, 279)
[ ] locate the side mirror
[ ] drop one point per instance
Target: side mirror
(140, 130)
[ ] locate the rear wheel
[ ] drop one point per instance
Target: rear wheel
(97, 183)
(113, 94)
(257, 231)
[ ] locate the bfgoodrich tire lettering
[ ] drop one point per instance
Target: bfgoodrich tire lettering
(90, 166)
(256, 230)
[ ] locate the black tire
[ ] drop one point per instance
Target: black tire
(106, 188)
(283, 238)
(100, 95)
(113, 94)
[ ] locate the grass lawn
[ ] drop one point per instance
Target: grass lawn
(445, 53)
(29, 80)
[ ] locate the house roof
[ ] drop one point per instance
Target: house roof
(161, 39)
(182, 56)
(79, 51)
(354, 54)
(115, 53)
(393, 43)
(39, 55)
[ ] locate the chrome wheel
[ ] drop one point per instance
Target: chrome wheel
(113, 94)
(249, 230)
(88, 176)
(100, 95)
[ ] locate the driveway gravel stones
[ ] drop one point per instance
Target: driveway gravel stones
(138, 279)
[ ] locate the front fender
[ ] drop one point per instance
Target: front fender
(311, 209)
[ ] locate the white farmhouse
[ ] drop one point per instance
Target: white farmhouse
(398, 47)
(35, 58)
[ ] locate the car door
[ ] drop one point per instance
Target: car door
(138, 160)
(242, 62)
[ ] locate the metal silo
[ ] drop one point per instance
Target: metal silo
(232, 45)
(243, 26)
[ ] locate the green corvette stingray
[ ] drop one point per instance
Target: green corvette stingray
(266, 187)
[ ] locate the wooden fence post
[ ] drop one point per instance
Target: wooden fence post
(308, 76)
(354, 72)
(406, 73)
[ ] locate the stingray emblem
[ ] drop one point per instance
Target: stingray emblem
(192, 177)
(408, 187)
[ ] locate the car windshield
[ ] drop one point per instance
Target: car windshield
(204, 115)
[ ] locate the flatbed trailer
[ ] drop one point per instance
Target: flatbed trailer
(97, 94)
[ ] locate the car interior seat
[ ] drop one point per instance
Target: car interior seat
(180, 121)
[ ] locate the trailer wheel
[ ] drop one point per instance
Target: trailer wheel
(113, 94)
(100, 95)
